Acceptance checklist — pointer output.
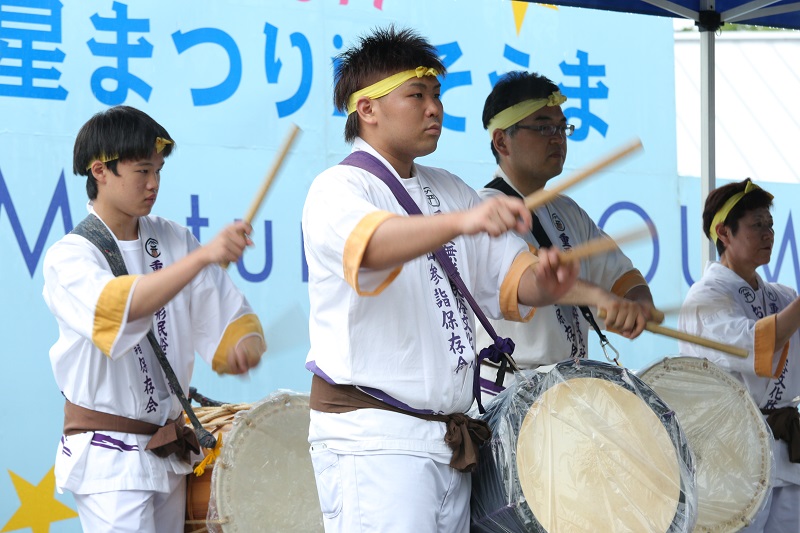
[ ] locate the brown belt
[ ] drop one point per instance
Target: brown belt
(785, 425)
(173, 437)
(464, 434)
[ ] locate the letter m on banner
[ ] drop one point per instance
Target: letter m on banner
(59, 200)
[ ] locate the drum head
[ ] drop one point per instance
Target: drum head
(725, 429)
(264, 480)
(585, 447)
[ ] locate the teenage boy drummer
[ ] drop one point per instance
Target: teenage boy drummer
(102, 362)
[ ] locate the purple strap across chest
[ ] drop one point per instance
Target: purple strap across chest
(501, 347)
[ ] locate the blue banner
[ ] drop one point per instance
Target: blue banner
(228, 79)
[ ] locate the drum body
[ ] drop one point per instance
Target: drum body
(263, 480)
(586, 446)
(218, 421)
(727, 433)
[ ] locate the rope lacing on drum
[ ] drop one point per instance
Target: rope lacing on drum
(604, 342)
(204, 524)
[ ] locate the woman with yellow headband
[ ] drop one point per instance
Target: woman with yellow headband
(116, 393)
(732, 303)
(392, 343)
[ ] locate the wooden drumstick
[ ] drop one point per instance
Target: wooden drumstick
(658, 329)
(669, 310)
(262, 192)
(694, 339)
(601, 245)
(542, 196)
(276, 165)
(657, 315)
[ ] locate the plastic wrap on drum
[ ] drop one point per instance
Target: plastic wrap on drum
(586, 446)
(726, 431)
(263, 479)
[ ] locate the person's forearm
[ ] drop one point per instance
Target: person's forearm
(154, 290)
(535, 291)
(400, 239)
(582, 293)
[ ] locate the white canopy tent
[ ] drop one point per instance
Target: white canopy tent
(758, 112)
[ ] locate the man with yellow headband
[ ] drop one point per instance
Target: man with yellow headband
(731, 303)
(116, 393)
(528, 137)
(392, 343)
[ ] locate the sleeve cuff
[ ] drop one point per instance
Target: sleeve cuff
(354, 249)
(509, 290)
(764, 348)
(109, 313)
(630, 279)
(238, 329)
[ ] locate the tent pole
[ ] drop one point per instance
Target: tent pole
(707, 123)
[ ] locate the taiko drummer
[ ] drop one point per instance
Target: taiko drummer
(733, 303)
(528, 137)
(116, 391)
(392, 343)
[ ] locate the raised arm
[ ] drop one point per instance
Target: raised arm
(157, 288)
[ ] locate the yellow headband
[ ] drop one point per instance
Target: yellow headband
(511, 115)
(387, 85)
(160, 144)
(725, 210)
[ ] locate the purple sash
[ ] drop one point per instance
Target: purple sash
(502, 348)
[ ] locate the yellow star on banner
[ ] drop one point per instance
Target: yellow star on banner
(38, 506)
(520, 7)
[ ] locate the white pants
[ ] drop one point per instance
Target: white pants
(390, 494)
(781, 514)
(134, 511)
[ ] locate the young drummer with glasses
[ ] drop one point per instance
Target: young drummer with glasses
(529, 134)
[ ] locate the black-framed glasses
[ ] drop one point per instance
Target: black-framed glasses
(548, 130)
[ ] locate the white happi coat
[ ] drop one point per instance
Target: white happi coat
(401, 330)
(103, 362)
(723, 307)
(559, 332)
